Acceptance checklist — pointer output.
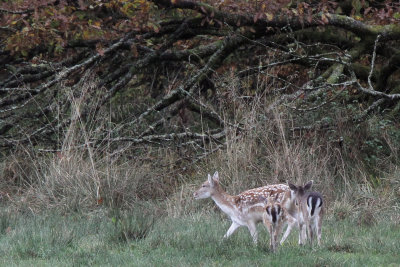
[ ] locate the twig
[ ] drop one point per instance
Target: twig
(372, 91)
(19, 12)
(373, 63)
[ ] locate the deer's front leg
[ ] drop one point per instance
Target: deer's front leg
(271, 238)
(291, 222)
(232, 229)
(302, 233)
(278, 231)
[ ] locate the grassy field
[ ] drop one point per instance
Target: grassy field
(113, 239)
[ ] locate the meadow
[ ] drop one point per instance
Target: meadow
(105, 238)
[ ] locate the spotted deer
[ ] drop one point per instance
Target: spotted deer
(276, 215)
(273, 220)
(245, 209)
(310, 211)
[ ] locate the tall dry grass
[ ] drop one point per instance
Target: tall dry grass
(82, 177)
(269, 151)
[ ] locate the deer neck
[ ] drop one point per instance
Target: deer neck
(289, 204)
(224, 201)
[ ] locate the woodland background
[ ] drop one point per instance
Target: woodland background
(122, 107)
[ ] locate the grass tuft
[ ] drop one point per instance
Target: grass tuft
(130, 225)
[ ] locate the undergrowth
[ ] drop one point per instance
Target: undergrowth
(99, 239)
(357, 167)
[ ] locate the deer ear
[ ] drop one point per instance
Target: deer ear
(308, 185)
(210, 180)
(216, 176)
(292, 186)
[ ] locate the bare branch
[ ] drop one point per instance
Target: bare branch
(373, 63)
(169, 137)
(372, 91)
(19, 12)
(184, 90)
(388, 32)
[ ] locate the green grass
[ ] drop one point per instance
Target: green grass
(132, 239)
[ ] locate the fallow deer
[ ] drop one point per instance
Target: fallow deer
(310, 211)
(245, 209)
(273, 220)
(276, 216)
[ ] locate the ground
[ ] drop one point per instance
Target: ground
(193, 240)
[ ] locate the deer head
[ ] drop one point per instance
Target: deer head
(273, 209)
(299, 191)
(208, 188)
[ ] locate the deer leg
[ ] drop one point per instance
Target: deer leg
(232, 229)
(310, 232)
(319, 229)
(271, 238)
(291, 223)
(278, 230)
(302, 233)
(253, 231)
(286, 234)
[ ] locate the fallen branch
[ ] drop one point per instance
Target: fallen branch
(169, 137)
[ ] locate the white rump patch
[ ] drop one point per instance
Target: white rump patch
(318, 203)
(317, 207)
(309, 207)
